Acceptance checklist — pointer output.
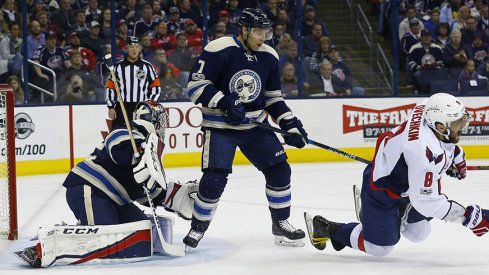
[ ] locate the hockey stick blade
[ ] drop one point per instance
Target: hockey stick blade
(169, 249)
(479, 167)
(312, 142)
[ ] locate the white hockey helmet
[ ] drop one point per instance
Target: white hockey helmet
(444, 108)
(154, 113)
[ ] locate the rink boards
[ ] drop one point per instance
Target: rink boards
(50, 139)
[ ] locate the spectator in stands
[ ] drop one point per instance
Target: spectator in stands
(88, 58)
(432, 23)
(183, 57)
(288, 81)
(309, 20)
(426, 62)
(14, 81)
(187, 11)
(325, 83)
(158, 13)
(194, 35)
(278, 32)
(163, 39)
(175, 25)
(230, 27)
(271, 10)
(105, 24)
(447, 10)
(52, 57)
(80, 25)
(310, 43)
(342, 71)
(462, 15)
(87, 83)
(483, 24)
(35, 39)
(469, 31)
(11, 46)
(146, 24)
(43, 19)
(63, 18)
(146, 52)
(442, 34)
(170, 89)
(234, 12)
(283, 19)
(469, 72)
(290, 56)
(37, 8)
(75, 91)
(283, 44)
(92, 12)
(216, 35)
(93, 41)
(476, 9)
(313, 63)
(478, 50)
(10, 13)
(409, 39)
(161, 65)
(121, 35)
(405, 23)
(454, 54)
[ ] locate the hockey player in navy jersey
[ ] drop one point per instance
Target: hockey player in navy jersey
(102, 189)
(401, 189)
(236, 79)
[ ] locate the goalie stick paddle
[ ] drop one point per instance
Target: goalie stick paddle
(338, 151)
(312, 142)
(170, 249)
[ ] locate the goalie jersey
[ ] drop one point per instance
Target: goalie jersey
(225, 67)
(410, 161)
(109, 169)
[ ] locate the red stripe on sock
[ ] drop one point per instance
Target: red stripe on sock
(361, 245)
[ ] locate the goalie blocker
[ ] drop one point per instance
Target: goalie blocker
(104, 244)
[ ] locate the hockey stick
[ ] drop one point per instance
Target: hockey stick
(338, 151)
(170, 249)
(310, 141)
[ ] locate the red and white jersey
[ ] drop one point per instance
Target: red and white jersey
(410, 161)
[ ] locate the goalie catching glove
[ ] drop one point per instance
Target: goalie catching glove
(180, 198)
(477, 220)
(298, 137)
(149, 170)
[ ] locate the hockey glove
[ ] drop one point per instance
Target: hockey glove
(298, 137)
(476, 219)
(235, 112)
(149, 170)
(142, 175)
(458, 169)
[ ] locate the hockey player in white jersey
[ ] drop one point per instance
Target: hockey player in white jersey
(401, 189)
(101, 191)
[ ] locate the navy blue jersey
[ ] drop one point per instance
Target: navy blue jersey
(109, 169)
(53, 60)
(225, 67)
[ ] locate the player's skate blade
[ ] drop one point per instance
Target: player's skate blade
(287, 235)
(192, 239)
(29, 255)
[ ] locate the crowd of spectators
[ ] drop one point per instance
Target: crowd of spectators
(443, 44)
(71, 37)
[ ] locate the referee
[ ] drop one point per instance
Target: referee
(137, 81)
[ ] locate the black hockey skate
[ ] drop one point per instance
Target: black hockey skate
(193, 238)
(29, 255)
(286, 234)
(319, 230)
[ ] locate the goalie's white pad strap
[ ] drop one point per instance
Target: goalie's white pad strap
(151, 158)
(65, 244)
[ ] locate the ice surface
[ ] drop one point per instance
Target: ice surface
(239, 240)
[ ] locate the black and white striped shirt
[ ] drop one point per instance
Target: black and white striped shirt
(137, 81)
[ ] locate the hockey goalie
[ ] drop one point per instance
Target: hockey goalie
(101, 192)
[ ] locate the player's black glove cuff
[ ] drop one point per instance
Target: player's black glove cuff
(235, 112)
(298, 137)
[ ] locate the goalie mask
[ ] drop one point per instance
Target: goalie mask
(153, 112)
(445, 109)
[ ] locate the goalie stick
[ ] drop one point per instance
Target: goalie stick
(338, 151)
(170, 249)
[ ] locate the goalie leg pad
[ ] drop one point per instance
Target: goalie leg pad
(129, 242)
